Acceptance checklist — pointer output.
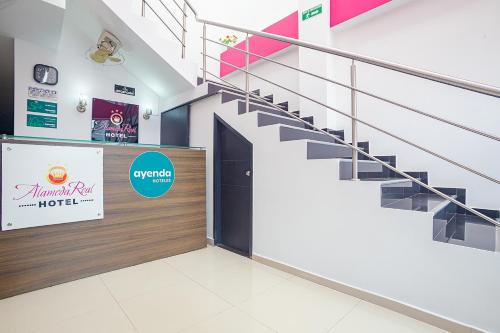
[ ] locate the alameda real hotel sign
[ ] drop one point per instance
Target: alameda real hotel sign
(45, 185)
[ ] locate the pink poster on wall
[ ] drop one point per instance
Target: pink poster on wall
(114, 121)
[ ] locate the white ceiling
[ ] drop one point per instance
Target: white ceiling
(149, 56)
(32, 20)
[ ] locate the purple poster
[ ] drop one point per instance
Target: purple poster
(114, 121)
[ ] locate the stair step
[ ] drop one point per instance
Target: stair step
(363, 166)
(283, 105)
(390, 182)
(391, 160)
(256, 92)
(266, 119)
(494, 214)
(289, 134)
(466, 230)
(317, 150)
(459, 193)
(231, 96)
(338, 133)
(395, 192)
(309, 119)
(364, 146)
(216, 87)
(421, 202)
(297, 113)
(422, 176)
(262, 108)
(269, 98)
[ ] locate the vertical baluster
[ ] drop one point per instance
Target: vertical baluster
(204, 52)
(354, 125)
(247, 76)
(184, 9)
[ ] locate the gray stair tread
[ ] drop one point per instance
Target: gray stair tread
(421, 202)
(345, 171)
(268, 119)
(259, 107)
(228, 96)
(322, 150)
(288, 133)
(466, 230)
(387, 180)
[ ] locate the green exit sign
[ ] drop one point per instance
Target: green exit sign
(311, 12)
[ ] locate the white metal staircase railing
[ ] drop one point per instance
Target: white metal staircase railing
(427, 75)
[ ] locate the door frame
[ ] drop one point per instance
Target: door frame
(218, 122)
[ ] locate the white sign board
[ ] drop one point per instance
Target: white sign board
(45, 185)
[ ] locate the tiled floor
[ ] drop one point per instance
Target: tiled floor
(210, 290)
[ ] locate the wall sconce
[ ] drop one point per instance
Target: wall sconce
(147, 113)
(82, 104)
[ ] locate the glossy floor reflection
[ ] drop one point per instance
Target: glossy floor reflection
(210, 290)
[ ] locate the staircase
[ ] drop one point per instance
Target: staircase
(324, 204)
(452, 224)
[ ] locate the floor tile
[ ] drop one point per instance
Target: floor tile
(367, 317)
(22, 313)
(272, 270)
(171, 309)
(230, 321)
(136, 280)
(103, 319)
(299, 306)
(211, 290)
(199, 263)
(237, 283)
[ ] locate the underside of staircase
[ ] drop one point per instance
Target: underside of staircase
(452, 224)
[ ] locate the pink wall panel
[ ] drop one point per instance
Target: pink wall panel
(288, 27)
(343, 10)
(340, 11)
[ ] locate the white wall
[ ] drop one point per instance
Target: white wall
(309, 224)
(77, 75)
(453, 37)
(275, 73)
(314, 30)
(254, 15)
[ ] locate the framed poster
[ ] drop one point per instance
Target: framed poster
(114, 121)
(46, 185)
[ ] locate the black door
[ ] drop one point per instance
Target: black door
(175, 127)
(232, 189)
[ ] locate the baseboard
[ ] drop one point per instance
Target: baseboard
(210, 241)
(404, 309)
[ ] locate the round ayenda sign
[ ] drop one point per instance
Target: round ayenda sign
(152, 174)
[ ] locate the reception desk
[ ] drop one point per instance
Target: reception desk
(134, 229)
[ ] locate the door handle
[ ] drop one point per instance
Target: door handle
(248, 173)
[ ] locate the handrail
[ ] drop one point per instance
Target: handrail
(179, 6)
(361, 151)
(460, 165)
(164, 23)
(172, 14)
(449, 122)
(428, 75)
(192, 9)
(432, 76)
